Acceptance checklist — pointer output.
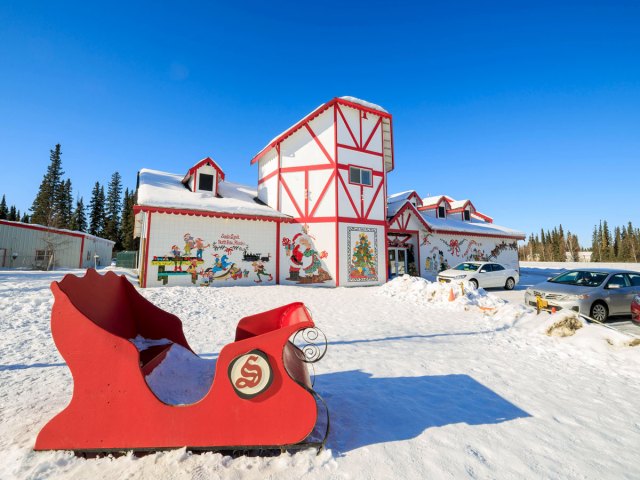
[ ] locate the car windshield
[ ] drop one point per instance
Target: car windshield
(581, 278)
(467, 267)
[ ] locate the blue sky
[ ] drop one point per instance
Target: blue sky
(531, 109)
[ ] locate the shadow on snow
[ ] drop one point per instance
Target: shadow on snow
(366, 410)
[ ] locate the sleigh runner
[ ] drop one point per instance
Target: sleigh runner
(261, 396)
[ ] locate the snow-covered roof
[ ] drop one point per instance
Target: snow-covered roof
(473, 226)
(393, 208)
(162, 189)
(458, 204)
(398, 197)
(310, 116)
(428, 201)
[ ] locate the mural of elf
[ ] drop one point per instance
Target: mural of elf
(305, 262)
(222, 266)
(364, 255)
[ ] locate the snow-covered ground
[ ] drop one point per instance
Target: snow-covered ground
(417, 386)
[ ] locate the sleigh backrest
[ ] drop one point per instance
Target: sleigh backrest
(113, 303)
(103, 299)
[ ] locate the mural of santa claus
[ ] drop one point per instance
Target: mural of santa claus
(305, 264)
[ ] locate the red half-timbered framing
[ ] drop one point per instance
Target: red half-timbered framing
(311, 189)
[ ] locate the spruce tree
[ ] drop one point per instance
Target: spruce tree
(128, 218)
(13, 214)
(44, 208)
(3, 209)
(64, 205)
(25, 218)
(79, 218)
(96, 210)
(634, 242)
(112, 210)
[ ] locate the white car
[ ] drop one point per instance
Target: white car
(481, 274)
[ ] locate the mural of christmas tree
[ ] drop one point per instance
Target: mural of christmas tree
(364, 259)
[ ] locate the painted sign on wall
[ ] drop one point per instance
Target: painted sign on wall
(362, 251)
(305, 261)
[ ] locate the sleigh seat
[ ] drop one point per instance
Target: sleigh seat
(261, 395)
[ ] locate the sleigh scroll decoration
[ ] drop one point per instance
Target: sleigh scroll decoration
(261, 395)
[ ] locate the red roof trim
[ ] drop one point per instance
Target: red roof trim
(42, 228)
(321, 109)
(202, 213)
(412, 194)
(487, 218)
(409, 205)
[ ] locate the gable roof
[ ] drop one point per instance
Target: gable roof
(348, 101)
(406, 195)
(452, 226)
(432, 202)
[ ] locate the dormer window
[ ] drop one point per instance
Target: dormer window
(204, 176)
(205, 182)
(466, 215)
(442, 212)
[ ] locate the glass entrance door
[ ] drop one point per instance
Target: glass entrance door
(397, 262)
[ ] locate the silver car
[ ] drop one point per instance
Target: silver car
(596, 292)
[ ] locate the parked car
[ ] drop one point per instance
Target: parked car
(596, 292)
(481, 274)
(635, 309)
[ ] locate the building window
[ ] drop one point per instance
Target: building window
(441, 212)
(360, 176)
(43, 255)
(205, 182)
(467, 215)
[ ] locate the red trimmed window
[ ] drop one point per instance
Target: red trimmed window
(467, 215)
(360, 176)
(442, 213)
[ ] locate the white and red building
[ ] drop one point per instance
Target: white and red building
(319, 216)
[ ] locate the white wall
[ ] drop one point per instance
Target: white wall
(231, 240)
(438, 249)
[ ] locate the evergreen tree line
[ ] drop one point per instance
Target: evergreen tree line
(11, 213)
(108, 216)
(551, 246)
(621, 245)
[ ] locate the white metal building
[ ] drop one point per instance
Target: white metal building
(25, 245)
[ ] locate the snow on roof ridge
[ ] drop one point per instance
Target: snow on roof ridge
(450, 224)
(392, 198)
(364, 103)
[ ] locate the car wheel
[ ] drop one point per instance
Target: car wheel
(509, 284)
(599, 311)
(474, 282)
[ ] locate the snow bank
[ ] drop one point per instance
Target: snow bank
(418, 291)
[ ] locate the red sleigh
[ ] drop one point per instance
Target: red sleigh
(261, 395)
